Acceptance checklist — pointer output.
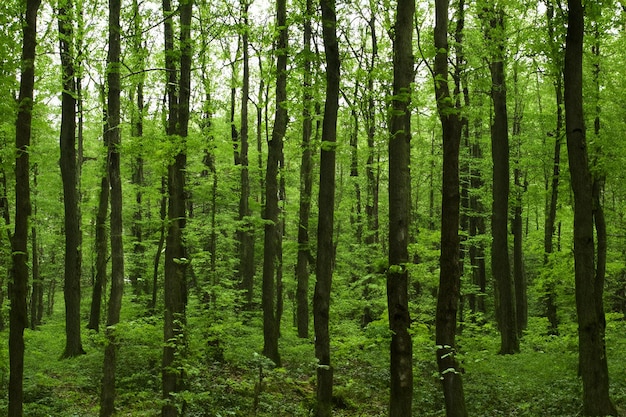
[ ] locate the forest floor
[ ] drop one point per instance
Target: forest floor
(226, 375)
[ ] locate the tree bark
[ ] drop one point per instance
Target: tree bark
(18, 288)
(450, 272)
(114, 142)
(326, 213)
(306, 185)
(245, 235)
(500, 265)
(592, 355)
(176, 258)
(270, 297)
(401, 348)
(549, 229)
(372, 198)
(69, 174)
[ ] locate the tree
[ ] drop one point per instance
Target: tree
(245, 235)
(589, 306)
(69, 174)
(399, 213)
(176, 257)
(500, 264)
(326, 214)
(114, 142)
(556, 57)
(306, 183)
(271, 255)
(101, 246)
(450, 273)
(18, 289)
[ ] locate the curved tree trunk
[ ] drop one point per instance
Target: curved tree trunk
(271, 259)
(592, 356)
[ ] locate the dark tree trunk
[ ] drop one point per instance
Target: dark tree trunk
(176, 259)
(36, 298)
(500, 265)
(113, 140)
(549, 229)
(399, 214)
(371, 205)
(270, 297)
(69, 174)
(306, 185)
(450, 272)
(18, 288)
(517, 225)
(592, 356)
(138, 269)
(101, 247)
(161, 242)
(326, 214)
(245, 234)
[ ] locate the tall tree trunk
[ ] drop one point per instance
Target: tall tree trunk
(592, 355)
(114, 141)
(500, 265)
(399, 214)
(161, 242)
(245, 234)
(36, 298)
(549, 229)
(450, 272)
(326, 213)
(306, 185)
(270, 302)
(176, 260)
(519, 277)
(69, 174)
(371, 205)
(138, 269)
(101, 248)
(18, 288)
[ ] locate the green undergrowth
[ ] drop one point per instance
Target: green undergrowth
(227, 375)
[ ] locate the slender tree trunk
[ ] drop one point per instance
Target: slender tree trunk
(36, 299)
(271, 253)
(500, 265)
(450, 272)
(399, 214)
(592, 355)
(176, 260)
(519, 277)
(371, 205)
(69, 174)
(113, 135)
(18, 288)
(306, 185)
(160, 244)
(101, 247)
(326, 214)
(138, 269)
(245, 235)
(549, 229)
